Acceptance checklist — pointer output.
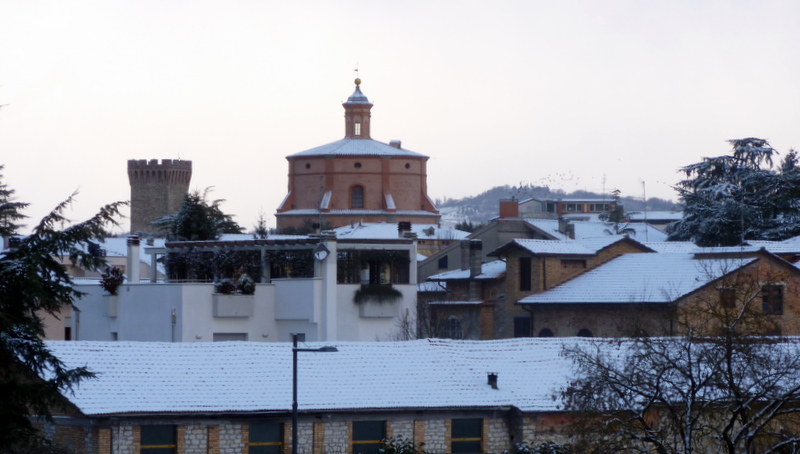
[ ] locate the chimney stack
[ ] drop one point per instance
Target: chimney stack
(395, 143)
(403, 227)
(132, 268)
(475, 262)
(509, 208)
(493, 380)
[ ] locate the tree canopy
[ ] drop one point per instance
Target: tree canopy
(34, 282)
(198, 220)
(738, 197)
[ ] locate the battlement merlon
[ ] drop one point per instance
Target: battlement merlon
(155, 164)
(166, 172)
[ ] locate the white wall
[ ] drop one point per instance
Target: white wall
(317, 306)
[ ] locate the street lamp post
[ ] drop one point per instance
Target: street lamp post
(295, 338)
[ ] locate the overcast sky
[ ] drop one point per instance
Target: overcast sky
(566, 93)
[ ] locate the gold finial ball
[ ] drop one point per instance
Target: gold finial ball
(358, 81)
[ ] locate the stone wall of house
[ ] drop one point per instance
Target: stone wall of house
(338, 437)
(195, 439)
(232, 439)
(501, 429)
(123, 440)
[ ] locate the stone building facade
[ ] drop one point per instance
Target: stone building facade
(495, 431)
(356, 179)
(157, 189)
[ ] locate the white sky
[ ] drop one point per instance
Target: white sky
(555, 92)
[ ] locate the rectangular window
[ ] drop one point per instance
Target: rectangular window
(570, 207)
(727, 297)
(265, 438)
(443, 263)
(368, 436)
(158, 439)
(573, 264)
(357, 128)
(357, 197)
(466, 436)
(525, 274)
(522, 326)
(772, 299)
(291, 264)
(224, 337)
(374, 267)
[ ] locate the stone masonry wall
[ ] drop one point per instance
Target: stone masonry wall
(230, 439)
(195, 439)
(338, 436)
(437, 435)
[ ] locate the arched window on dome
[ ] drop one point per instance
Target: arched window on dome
(452, 328)
(585, 333)
(546, 333)
(357, 197)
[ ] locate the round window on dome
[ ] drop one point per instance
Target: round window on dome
(358, 165)
(308, 166)
(408, 166)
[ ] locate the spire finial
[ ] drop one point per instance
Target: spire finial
(358, 79)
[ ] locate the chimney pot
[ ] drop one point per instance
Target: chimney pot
(492, 380)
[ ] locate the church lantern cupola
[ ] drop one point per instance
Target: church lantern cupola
(356, 114)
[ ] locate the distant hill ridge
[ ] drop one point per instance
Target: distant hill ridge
(484, 206)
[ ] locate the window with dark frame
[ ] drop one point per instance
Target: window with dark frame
(357, 197)
(452, 328)
(573, 264)
(524, 273)
(466, 436)
(522, 326)
(443, 263)
(727, 297)
(380, 267)
(772, 299)
(160, 439)
(265, 438)
(368, 436)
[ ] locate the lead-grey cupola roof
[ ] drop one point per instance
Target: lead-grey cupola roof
(357, 97)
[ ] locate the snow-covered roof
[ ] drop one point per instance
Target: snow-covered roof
(357, 147)
(432, 286)
(640, 278)
(315, 212)
(672, 246)
(118, 247)
(249, 236)
(455, 303)
(583, 246)
(490, 270)
(209, 377)
(667, 215)
(582, 199)
(552, 247)
(382, 230)
(593, 229)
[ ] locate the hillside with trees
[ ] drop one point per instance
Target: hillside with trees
(479, 209)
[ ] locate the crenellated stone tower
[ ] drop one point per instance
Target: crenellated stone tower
(157, 188)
